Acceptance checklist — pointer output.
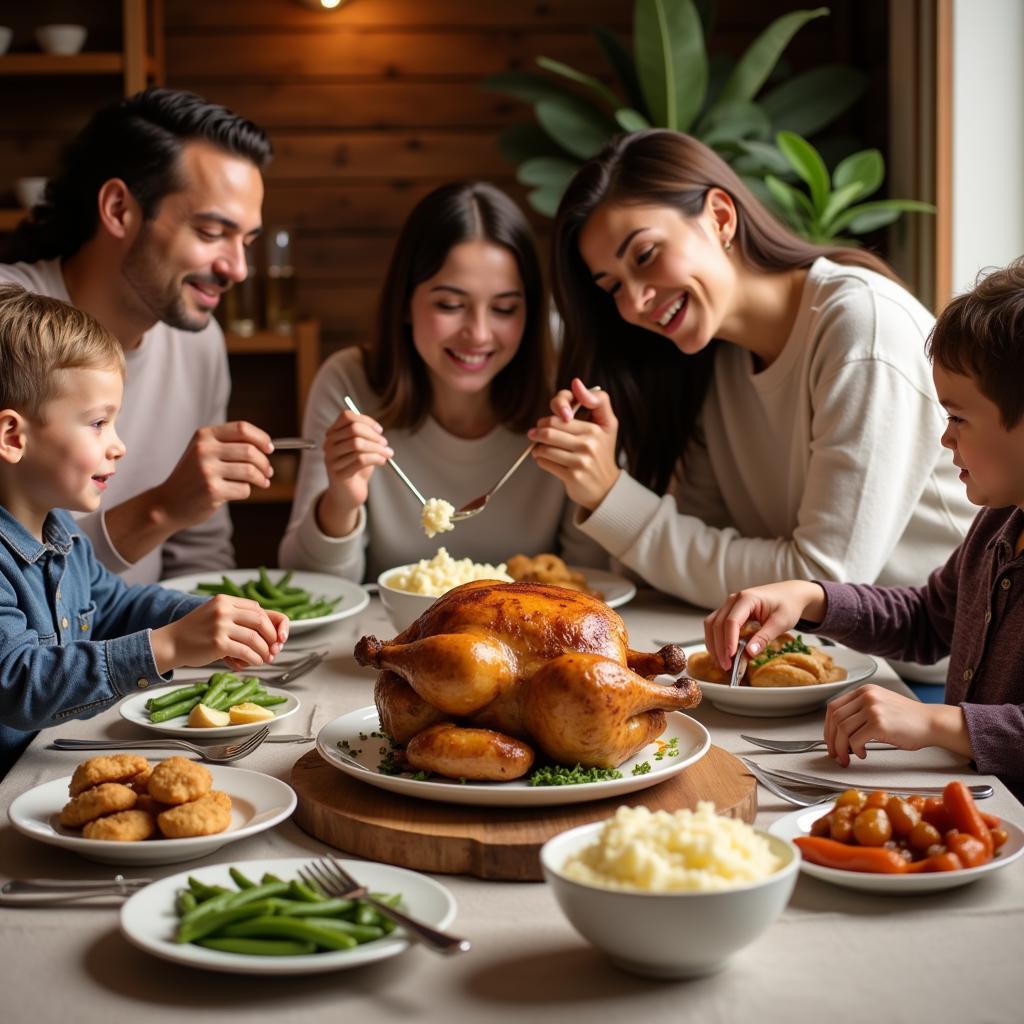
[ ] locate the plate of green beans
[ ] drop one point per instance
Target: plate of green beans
(166, 710)
(309, 599)
(258, 917)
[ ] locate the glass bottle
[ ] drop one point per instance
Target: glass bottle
(241, 302)
(281, 297)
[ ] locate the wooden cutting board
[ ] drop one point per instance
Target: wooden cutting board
(488, 842)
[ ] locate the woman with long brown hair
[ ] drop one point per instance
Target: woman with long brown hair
(459, 369)
(774, 413)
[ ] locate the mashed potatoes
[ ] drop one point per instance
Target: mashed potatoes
(437, 516)
(682, 851)
(443, 572)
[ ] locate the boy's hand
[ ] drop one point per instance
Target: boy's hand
(777, 606)
(233, 628)
(874, 713)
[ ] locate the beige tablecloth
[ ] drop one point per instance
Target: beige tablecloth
(835, 954)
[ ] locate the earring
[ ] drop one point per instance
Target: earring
(727, 245)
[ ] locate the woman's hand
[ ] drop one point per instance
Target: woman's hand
(233, 628)
(581, 453)
(874, 713)
(353, 447)
(777, 606)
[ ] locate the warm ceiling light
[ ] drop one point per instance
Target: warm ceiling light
(322, 5)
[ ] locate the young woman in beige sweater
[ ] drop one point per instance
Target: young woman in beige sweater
(768, 410)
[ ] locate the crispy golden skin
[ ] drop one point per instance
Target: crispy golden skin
(486, 652)
(124, 827)
(179, 780)
(107, 798)
(206, 816)
(106, 768)
(481, 754)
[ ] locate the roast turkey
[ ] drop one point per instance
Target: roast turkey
(519, 667)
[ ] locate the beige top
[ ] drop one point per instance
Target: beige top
(825, 465)
(177, 382)
(529, 515)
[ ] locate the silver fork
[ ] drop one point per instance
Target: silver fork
(391, 462)
(979, 791)
(784, 792)
(327, 873)
(802, 746)
(217, 753)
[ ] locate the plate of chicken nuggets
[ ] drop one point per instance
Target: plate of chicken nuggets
(123, 809)
(796, 675)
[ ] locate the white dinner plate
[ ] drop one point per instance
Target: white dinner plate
(258, 802)
(616, 590)
(133, 710)
(355, 729)
(779, 701)
(149, 920)
(798, 823)
(320, 584)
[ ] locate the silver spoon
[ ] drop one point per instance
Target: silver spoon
(739, 664)
(391, 462)
(477, 505)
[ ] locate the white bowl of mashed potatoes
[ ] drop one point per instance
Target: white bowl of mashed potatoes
(407, 591)
(670, 895)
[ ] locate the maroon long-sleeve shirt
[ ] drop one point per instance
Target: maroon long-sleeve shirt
(972, 609)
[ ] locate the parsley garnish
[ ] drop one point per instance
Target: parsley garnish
(642, 768)
(795, 646)
(560, 775)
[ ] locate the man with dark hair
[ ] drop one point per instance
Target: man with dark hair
(144, 226)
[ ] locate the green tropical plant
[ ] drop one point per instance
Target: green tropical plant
(735, 106)
(832, 204)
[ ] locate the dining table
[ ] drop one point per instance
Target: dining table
(834, 955)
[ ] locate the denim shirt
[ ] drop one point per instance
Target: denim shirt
(74, 638)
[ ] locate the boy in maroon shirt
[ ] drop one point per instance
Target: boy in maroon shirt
(972, 608)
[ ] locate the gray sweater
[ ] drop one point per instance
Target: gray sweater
(971, 609)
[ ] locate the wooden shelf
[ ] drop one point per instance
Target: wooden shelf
(262, 342)
(11, 217)
(64, 64)
(276, 492)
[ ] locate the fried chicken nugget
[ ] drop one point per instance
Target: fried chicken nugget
(124, 827)
(206, 816)
(106, 768)
(790, 670)
(179, 780)
(140, 782)
(149, 805)
(701, 665)
(107, 798)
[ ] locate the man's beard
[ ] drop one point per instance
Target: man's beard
(142, 270)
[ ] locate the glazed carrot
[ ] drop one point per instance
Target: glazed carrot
(964, 813)
(936, 862)
(971, 851)
(935, 813)
(992, 820)
(830, 854)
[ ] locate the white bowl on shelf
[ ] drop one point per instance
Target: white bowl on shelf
(61, 39)
(668, 934)
(29, 191)
(6, 34)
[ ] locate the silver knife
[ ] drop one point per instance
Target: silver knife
(46, 891)
(290, 444)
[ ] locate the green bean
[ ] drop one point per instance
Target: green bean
(239, 696)
(282, 583)
(198, 925)
(359, 932)
(268, 877)
(259, 947)
(300, 891)
(240, 880)
(231, 588)
(266, 700)
(202, 892)
(270, 927)
(268, 588)
(186, 901)
(174, 710)
(176, 696)
(209, 588)
(325, 908)
(216, 690)
(366, 914)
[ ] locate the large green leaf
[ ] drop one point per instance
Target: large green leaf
(791, 201)
(596, 86)
(519, 142)
(865, 169)
(578, 127)
(838, 201)
(760, 157)
(754, 67)
(615, 52)
(545, 199)
(527, 86)
(807, 102)
(808, 164)
(630, 120)
(546, 171)
(729, 122)
(671, 60)
(869, 216)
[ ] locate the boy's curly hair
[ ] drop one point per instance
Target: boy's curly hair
(981, 334)
(40, 336)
